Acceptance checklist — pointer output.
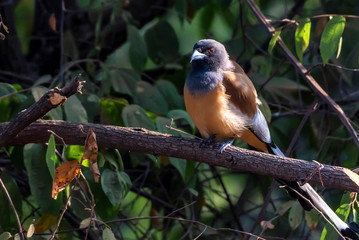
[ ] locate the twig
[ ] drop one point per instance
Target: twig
(50, 100)
(62, 213)
(21, 230)
(300, 127)
(318, 90)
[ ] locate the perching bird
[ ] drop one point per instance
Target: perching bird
(222, 102)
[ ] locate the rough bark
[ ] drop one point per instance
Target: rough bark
(142, 140)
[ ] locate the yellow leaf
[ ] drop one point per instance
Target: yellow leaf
(45, 222)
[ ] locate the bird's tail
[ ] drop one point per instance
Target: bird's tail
(308, 197)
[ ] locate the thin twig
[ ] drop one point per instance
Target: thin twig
(62, 213)
(317, 89)
(21, 230)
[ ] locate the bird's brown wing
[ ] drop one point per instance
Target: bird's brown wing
(241, 92)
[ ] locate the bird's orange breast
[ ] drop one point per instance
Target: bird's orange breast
(213, 114)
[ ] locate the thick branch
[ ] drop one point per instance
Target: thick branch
(142, 140)
(305, 74)
(50, 100)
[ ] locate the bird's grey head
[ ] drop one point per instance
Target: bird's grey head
(210, 55)
(209, 59)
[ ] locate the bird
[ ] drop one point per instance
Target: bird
(223, 104)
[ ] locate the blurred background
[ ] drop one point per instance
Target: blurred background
(134, 56)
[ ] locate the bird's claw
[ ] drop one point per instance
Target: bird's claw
(206, 142)
(224, 145)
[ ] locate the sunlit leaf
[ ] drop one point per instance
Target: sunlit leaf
(73, 152)
(329, 232)
(302, 37)
(51, 157)
(329, 42)
(273, 41)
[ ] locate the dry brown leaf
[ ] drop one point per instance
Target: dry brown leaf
(156, 221)
(5, 28)
(52, 22)
(91, 152)
(267, 225)
(64, 174)
(57, 98)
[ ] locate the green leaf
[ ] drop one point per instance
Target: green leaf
(8, 220)
(40, 180)
(180, 165)
(134, 116)
(74, 152)
(162, 43)
(330, 39)
(295, 215)
(111, 110)
(124, 81)
(329, 232)
(170, 93)
(51, 157)
(177, 114)
(120, 58)
(312, 218)
(150, 98)
(113, 156)
(302, 37)
(5, 236)
(273, 41)
(138, 48)
(37, 93)
(74, 110)
(107, 234)
(115, 185)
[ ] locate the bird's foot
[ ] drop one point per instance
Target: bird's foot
(224, 145)
(207, 141)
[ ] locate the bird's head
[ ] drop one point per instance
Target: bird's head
(210, 55)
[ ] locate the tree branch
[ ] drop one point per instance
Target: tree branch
(159, 144)
(50, 100)
(318, 90)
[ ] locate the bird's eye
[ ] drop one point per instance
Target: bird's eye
(211, 50)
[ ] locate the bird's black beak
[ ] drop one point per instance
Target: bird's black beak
(197, 55)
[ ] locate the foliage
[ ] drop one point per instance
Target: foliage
(134, 56)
